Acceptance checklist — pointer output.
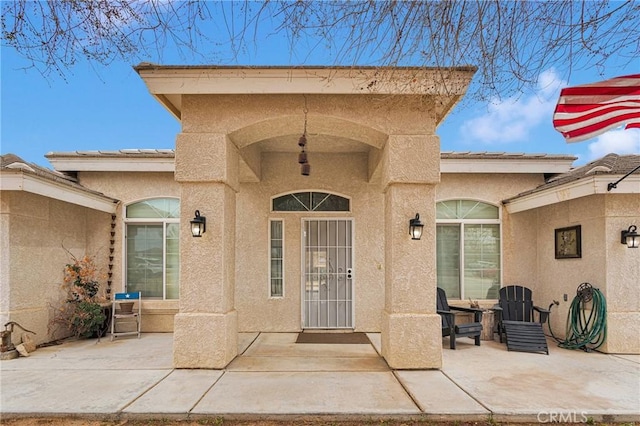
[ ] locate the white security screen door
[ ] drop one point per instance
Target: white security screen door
(327, 281)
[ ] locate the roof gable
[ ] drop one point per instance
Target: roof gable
(595, 177)
(18, 175)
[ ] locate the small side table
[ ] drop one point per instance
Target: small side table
(487, 325)
(106, 310)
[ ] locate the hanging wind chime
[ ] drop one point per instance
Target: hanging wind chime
(305, 167)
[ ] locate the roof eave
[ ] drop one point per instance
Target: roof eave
(591, 185)
(164, 161)
(101, 164)
(18, 180)
(507, 165)
(124, 160)
(167, 83)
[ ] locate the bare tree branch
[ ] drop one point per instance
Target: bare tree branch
(511, 42)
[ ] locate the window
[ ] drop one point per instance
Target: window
(310, 202)
(277, 259)
(152, 252)
(468, 249)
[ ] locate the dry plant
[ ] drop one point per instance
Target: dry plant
(80, 314)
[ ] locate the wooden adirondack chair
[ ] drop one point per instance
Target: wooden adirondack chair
(515, 318)
(449, 326)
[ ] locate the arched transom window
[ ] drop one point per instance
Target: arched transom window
(468, 249)
(310, 201)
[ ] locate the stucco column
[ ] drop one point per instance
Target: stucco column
(411, 328)
(205, 328)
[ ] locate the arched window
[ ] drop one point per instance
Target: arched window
(310, 201)
(468, 249)
(152, 251)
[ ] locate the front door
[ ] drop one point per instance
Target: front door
(327, 279)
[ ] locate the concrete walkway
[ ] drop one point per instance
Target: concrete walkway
(276, 378)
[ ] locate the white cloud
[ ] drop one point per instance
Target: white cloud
(618, 141)
(513, 119)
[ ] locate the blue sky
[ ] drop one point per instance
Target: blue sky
(109, 108)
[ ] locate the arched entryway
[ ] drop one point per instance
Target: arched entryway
(371, 136)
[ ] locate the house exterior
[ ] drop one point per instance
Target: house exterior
(285, 251)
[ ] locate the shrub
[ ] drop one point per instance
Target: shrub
(81, 314)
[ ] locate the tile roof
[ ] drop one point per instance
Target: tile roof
(610, 164)
(122, 153)
(11, 162)
(154, 66)
(450, 155)
(484, 155)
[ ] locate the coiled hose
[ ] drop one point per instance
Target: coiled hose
(582, 329)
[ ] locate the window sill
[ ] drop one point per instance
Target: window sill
(158, 306)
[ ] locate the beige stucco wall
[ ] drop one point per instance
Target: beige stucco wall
(36, 233)
(527, 242)
(557, 277)
(519, 257)
(129, 187)
(346, 174)
(343, 174)
(605, 263)
(250, 118)
(264, 116)
(623, 275)
(359, 146)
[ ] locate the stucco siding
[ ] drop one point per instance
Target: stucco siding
(519, 254)
(519, 257)
(5, 256)
(605, 263)
(327, 114)
(557, 277)
(344, 174)
(623, 272)
(623, 264)
(129, 187)
(490, 188)
(623, 333)
(41, 232)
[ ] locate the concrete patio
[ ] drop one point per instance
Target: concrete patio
(276, 378)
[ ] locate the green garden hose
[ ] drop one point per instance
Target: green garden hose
(586, 327)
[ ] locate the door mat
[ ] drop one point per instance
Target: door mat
(338, 338)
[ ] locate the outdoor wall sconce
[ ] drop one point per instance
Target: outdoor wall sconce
(630, 237)
(198, 225)
(415, 227)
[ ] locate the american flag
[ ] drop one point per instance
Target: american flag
(589, 110)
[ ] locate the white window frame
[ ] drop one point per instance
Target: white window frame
(462, 223)
(281, 296)
(147, 221)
